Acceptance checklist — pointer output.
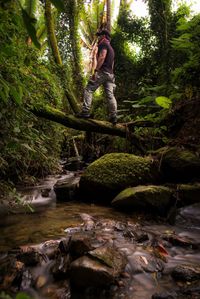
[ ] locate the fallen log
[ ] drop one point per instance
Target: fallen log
(88, 125)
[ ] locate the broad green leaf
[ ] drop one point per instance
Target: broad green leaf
(164, 102)
(29, 23)
(58, 4)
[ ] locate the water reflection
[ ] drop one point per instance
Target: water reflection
(51, 223)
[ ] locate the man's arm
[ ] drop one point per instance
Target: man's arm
(101, 59)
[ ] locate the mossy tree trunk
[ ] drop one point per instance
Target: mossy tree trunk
(108, 7)
(56, 55)
(74, 19)
(51, 33)
(88, 125)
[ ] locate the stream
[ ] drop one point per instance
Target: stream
(53, 221)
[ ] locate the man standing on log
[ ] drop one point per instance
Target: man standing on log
(103, 75)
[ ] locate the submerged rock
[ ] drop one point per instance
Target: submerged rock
(154, 198)
(112, 173)
(99, 268)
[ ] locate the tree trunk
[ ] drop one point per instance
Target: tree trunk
(55, 51)
(108, 5)
(74, 19)
(88, 125)
(51, 33)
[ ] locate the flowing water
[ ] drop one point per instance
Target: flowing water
(53, 221)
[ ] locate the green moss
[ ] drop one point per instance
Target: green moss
(112, 173)
(155, 198)
(119, 169)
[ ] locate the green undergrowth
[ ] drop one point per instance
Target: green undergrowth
(30, 147)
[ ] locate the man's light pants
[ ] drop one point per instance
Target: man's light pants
(107, 80)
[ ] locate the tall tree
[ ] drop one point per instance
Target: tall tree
(108, 14)
(74, 8)
(55, 51)
(160, 18)
(51, 33)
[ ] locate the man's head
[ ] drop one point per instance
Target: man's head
(103, 33)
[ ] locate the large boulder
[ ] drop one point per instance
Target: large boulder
(155, 199)
(188, 194)
(99, 268)
(178, 164)
(112, 173)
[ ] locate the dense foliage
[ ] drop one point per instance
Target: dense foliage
(28, 145)
(167, 64)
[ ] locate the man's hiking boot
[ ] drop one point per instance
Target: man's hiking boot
(113, 120)
(83, 115)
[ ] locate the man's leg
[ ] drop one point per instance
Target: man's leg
(109, 86)
(88, 92)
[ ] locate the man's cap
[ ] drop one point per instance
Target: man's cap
(103, 32)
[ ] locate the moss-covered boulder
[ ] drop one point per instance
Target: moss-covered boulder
(154, 199)
(188, 194)
(112, 173)
(178, 165)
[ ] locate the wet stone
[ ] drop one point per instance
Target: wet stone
(100, 268)
(138, 236)
(50, 249)
(29, 256)
(27, 280)
(45, 192)
(80, 243)
(60, 269)
(65, 189)
(141, 236)
(59, 290)
(180, 241)
(145, 262)
(41, 281)
(186, 273)
(64, 245)
(165, 295)
(11, 272)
